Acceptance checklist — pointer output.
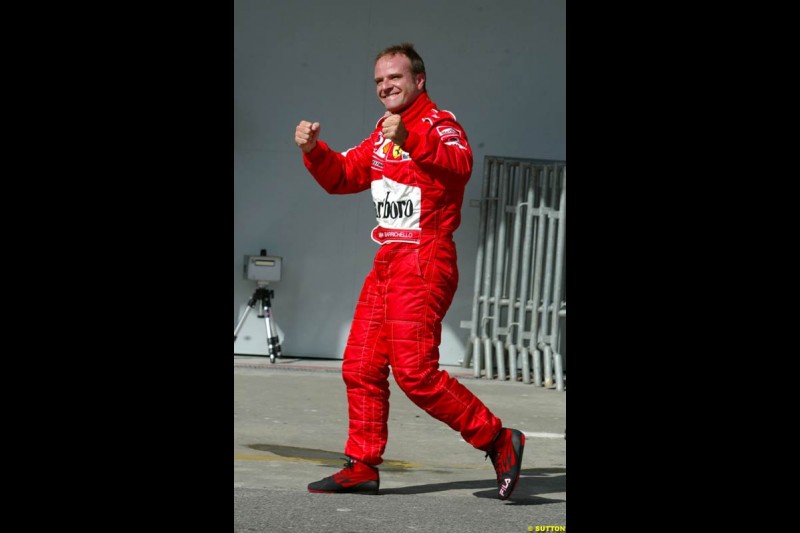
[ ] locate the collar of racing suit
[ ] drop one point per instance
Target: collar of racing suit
(415, 111)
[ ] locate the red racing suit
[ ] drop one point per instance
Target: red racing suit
(418, 191)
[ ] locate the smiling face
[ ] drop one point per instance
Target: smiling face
(396, 86)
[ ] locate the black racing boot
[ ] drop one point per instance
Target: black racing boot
(506, 456)
(354, 477)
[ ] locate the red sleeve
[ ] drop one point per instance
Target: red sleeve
(341, 173)
(443, 148)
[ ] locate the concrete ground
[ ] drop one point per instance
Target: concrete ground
(290, 426)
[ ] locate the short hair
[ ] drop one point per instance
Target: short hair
(407, 49)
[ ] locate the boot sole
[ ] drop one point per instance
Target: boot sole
(364, 488)
(367, 492)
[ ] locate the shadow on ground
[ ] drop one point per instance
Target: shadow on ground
(532, 481)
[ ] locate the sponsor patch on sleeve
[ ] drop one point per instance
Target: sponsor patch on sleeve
(448, 131)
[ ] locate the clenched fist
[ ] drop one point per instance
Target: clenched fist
(394, 129)
(306, 135)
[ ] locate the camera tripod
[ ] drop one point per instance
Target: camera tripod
(264, 296)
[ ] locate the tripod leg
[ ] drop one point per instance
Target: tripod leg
(273, 344)
(250, 305)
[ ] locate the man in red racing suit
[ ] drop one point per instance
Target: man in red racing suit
(416, 163)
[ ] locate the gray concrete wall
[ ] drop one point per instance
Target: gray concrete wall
(499, 66)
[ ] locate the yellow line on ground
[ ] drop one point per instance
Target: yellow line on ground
(238, 457)
(242, 457)
(337, 462)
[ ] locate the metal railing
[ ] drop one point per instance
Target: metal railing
(519, 296)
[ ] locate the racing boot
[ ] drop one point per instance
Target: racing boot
(354, 477)
(506, 456)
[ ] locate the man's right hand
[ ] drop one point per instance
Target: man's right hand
(306, 135)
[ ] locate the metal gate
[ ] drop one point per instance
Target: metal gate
(519, 300)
